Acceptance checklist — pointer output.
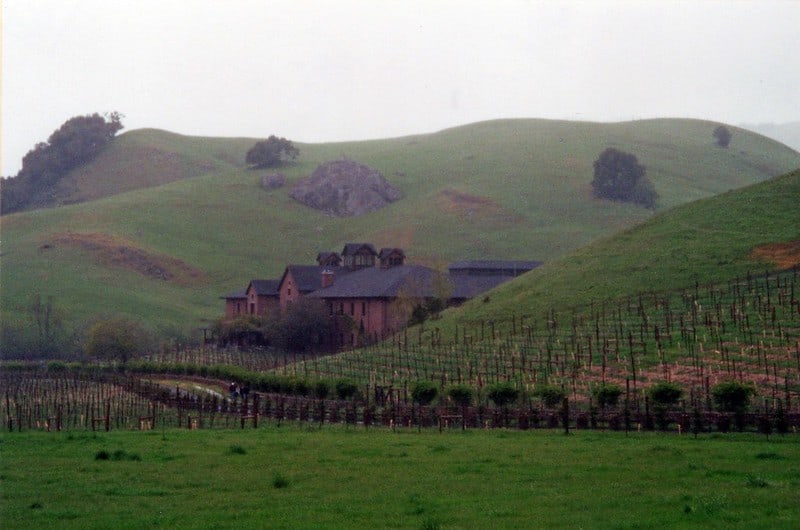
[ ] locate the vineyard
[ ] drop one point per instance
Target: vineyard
(745, 330)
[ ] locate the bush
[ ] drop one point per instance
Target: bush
(299, 387)
(502, 394)
(607, 394)
(423, 392)
(665, 394)
(461, 394)
(551, 395)
(279, 481)
(345, 389)
(732, 396)
(321, 389)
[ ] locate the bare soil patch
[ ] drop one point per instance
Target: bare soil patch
(118, 252)
(470, 207)
(784, 255)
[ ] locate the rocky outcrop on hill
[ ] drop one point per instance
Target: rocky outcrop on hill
(345, 188)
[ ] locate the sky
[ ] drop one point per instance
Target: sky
(322, 71)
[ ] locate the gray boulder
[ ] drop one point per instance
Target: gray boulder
(345, 188)
(273, 181)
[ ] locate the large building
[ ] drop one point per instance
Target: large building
(375, 289)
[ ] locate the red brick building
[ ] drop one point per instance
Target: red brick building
(375, 289)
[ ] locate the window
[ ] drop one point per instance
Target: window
(363, 308)
(352, 308)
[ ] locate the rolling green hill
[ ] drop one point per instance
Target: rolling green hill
(167, 248)
(750, 230)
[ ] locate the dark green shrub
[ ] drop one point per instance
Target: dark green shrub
(461, 394)
(321, 389)
(299, 387)
(551, 395)
(607, 394)
(665, 394)
(345, 389)
(732, 396)
(279, 481)
(237, 450)
(423, 392)
(502, 393)
(57, 366)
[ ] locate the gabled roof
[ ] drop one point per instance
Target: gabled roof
(351, 249)
(329, 258)
(386, 252)
(373, 282)
(264, 287)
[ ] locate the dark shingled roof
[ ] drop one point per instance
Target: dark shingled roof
(329, 258)
(374, 282)
(350, 249)
(308, 278)
(265, 287)
(497, 266)
(386, 251)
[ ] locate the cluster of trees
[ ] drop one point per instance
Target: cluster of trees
(271, 152)
(305, 326)
(37, 331)
(619, 176)
(75, 143)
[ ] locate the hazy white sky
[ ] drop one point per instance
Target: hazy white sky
(341, 70)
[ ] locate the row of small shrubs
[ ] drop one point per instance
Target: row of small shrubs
(728, 396)
(272, 383)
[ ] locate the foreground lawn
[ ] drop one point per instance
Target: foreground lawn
(292, 477)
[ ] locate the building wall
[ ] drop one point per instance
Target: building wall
(259, 305)
(268, 306)
(235, 307)
(288, 291)
(373, 319)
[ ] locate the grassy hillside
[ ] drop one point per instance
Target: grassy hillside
(786, 133)
(711, 240)
(512, 189)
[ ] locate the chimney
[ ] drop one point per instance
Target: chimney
(327, 278)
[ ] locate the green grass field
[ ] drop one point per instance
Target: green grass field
(294, 477)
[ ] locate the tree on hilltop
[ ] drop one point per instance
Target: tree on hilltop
(722, 136)
(75, 143)
(271, 152)
(619, 176)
